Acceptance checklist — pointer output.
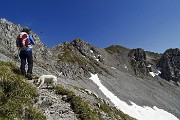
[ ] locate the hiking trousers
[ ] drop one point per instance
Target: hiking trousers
(26, 55)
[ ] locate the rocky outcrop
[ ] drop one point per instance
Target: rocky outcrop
(138, 61)
(169, 65)
(84, 48)
(8, 34)
(54, 107)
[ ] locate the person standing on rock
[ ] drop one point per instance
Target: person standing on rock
(24, 43)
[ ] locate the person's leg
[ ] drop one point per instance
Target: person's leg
(22, 56)
(30, 64)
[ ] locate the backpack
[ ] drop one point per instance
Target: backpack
(22, 40)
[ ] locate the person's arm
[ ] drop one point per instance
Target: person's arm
(32, 40)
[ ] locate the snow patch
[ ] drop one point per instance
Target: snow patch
(97, 60)
(155, 73)
(149, 65)
(152, 73)
(91, 51)
(125, 66)
(113, 67)
(60, 74)
(138, 112)
(159, 70)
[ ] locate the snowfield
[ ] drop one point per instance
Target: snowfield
(138, 112)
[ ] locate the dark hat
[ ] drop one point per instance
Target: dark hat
(26, 29)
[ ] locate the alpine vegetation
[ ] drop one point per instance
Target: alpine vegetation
(16, 95)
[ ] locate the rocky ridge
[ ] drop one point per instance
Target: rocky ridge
(78, 58)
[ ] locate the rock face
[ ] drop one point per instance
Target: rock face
(169, 65)
(8, 31)
(138, 61)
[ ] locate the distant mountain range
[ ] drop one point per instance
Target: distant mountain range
(142, 77)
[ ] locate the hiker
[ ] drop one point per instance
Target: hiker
(24, 43)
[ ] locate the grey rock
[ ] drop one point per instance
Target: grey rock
(53, 106)
(170, 65)
(138, 61)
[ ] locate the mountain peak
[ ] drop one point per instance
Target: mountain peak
(78, 42)
(4, 21)
(173, 51)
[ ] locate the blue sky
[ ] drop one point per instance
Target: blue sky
(153, 25)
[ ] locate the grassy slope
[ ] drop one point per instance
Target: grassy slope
(16, 95)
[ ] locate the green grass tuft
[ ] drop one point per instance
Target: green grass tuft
(16, 94)
(115, 49)
(70, 56)
(34, 114)
(113, 112)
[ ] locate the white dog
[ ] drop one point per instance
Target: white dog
(48, 79)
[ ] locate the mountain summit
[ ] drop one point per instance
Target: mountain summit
(135, 77)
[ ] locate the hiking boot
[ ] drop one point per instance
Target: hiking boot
(29, 76)
(23, 73)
